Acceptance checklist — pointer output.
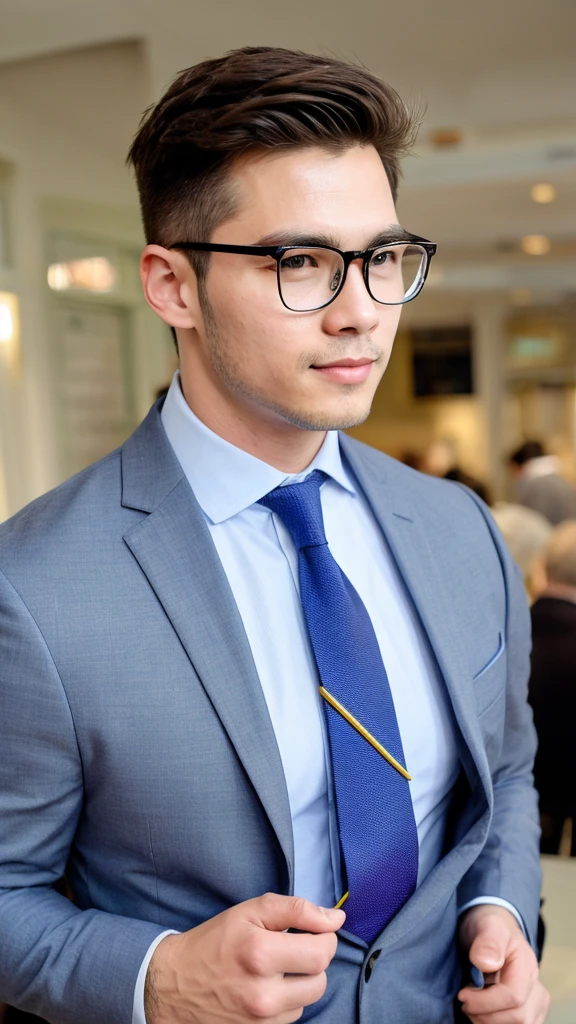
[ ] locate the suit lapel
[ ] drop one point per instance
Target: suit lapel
(175, 551)
(407, 538)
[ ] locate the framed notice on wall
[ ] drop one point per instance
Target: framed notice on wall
(93, 385)
(442, 361)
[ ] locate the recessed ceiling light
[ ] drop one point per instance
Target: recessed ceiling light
(536, 245)
(444, 138)
(543, 192)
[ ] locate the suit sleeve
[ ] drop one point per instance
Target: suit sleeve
(71, 966)
(509, 864)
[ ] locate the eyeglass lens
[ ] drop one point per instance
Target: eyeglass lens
(309, 277)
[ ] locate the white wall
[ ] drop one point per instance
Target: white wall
(66, 122)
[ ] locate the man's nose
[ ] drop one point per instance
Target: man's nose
(353, 311)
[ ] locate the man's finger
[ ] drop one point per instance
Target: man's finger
(544, 1003)
(533, 1011)
(282, 996)
(490, 945)
(517, 978)
(269, 953)
(277, 913)
(304, 991)
(492, 1000)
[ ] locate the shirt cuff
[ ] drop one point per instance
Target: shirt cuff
(138, 1015)
(497, 902)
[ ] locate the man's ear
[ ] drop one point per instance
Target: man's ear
(170, 286)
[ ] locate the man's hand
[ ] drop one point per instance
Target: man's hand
(496, 946)
(242, 966)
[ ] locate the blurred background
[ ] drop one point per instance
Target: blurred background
(485, 359)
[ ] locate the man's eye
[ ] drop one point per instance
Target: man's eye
(297, 262)
(382, 257)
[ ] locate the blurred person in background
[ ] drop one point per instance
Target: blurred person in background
(441, 459)
(539, 485)
(413, 459)
(553, 688)
(526, 533)
(221, 712)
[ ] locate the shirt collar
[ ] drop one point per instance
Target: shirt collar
(542, 465)
(225, 479)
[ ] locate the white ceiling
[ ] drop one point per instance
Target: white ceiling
(501, 60)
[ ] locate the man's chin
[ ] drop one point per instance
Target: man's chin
(328, 419)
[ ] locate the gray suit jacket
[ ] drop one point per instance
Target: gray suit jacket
(137, 755)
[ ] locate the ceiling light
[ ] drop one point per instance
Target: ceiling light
(444, 138)
(543, 192)
(536, 245)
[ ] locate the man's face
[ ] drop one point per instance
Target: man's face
(263, 357)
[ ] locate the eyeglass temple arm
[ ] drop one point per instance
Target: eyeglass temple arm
(242, 250)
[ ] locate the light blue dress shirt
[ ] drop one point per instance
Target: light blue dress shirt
(261, 565)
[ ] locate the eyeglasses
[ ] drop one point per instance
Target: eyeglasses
(312, 276)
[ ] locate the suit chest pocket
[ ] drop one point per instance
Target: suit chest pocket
(490, 692)
(489, 681)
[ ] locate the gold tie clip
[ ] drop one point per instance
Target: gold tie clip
(341, 901)
(364, 732)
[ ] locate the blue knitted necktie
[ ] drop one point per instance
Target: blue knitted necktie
(375, 815)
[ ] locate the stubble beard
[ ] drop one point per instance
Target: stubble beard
(229, 372)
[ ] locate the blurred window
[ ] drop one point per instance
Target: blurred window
(94, 274)
(7, 326)
(9, 331)
(87, 265)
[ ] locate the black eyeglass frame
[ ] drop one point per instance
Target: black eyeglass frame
(348, 257)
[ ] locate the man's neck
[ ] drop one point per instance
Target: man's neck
(283, 445)
(563, 591)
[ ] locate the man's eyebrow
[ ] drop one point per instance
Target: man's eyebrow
(393, 233)
(299, 239)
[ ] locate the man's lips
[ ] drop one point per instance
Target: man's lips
(346, 371)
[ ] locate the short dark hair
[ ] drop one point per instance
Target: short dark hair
(528, 450)
(254, 99)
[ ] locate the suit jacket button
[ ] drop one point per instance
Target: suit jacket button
(370, 964)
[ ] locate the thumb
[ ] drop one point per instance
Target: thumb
(277, 913)
(490, 945)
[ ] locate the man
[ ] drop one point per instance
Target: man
(250, 668)
(538, 483)
(553, 687)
